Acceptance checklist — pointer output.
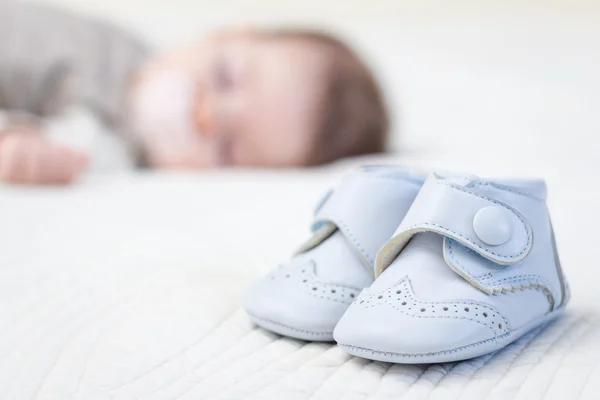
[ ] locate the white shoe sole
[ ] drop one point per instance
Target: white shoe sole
(290, 331)
(458, 354)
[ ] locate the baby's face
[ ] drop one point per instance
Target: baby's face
(236, 99)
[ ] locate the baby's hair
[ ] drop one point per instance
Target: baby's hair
(354, 118)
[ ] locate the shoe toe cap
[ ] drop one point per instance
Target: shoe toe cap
(294, 302)
(394, 325)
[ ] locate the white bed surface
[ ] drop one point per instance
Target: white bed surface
(129, 287)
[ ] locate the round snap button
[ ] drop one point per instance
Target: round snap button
(492, 225)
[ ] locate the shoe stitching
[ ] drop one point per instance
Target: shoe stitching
(484, 276)
(414, 355)
(311, 281)
(528, 286)
(406, 286)
(523, 276)
(539, 283)
(314, 282)
(436, 353)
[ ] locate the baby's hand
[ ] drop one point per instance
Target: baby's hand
(28, 158)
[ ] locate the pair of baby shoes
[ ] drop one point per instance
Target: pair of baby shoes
(412, 270)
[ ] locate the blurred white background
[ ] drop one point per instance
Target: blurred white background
(491, 80)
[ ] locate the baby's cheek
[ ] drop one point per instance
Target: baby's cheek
(289, 149)
(242, 154)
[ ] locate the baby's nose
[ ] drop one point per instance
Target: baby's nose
(205, 119)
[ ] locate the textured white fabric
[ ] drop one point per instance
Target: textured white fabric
(130, 288)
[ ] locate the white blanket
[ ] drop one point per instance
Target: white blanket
(129, 287)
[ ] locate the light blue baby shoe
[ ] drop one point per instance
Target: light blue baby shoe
(305, 298)
(472, 267)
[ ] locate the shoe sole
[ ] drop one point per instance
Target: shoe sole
(290, 331)
(458, 354)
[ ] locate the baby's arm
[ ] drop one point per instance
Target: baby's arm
(32, 82)
(30, 158)
(50, 62)
(51, 58)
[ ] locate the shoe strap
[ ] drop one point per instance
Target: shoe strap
(485, 225)
(366, 207)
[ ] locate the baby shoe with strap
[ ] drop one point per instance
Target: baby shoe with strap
(305, 298)
(472, 267)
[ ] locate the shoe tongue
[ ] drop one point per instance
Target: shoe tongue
(423, 254)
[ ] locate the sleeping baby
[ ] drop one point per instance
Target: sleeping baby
(272, 98)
